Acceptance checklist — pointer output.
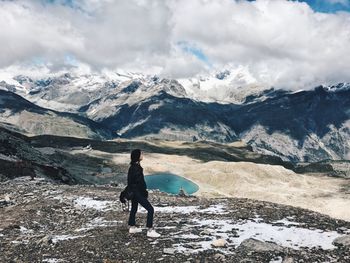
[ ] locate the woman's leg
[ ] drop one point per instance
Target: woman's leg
(132, 217)
(150, 210)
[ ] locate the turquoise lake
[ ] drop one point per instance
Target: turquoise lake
(170, 183)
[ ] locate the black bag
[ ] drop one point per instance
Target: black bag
(126, 194)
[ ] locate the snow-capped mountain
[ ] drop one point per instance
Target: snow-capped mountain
(65, 92)
(225, 106)
(69, 92)
(226, 86)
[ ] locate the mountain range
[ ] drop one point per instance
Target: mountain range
(298, 126)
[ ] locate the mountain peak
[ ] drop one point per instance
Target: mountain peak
(339, 87)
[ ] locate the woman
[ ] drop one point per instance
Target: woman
(137, 184)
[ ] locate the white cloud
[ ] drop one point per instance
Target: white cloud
(182, 66)
(27, 33)
(282, 43)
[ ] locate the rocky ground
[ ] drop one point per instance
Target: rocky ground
(45, 222)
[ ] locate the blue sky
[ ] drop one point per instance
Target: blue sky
(188, 48)
(326, 6)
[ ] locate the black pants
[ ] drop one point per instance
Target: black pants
(140, 199)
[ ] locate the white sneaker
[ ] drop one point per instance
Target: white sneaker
(134, 229)
(152, 233)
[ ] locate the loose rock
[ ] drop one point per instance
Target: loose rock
(342, 241)
(219, 243)
(169, 251)
(261, 246)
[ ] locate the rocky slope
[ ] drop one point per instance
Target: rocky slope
(44, 222)
(29, 118)
(18, 158)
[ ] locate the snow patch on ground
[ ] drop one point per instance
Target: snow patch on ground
(58, 238)
(99, 222)
(286, 222)
(25, 230)
(82, 202)
(20, 242)
(288, 235)
(52, 260)
(213, 209)
(166, 227)
(293, 237)
(89, 203)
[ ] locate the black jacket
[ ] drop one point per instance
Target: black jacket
(136, 180)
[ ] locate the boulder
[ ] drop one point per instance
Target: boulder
(342, 241)
(219, 243)
(261, 246)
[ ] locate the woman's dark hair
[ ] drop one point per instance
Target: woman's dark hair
(135, 156)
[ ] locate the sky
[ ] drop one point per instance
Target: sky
(285, 44)
(329, 6)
